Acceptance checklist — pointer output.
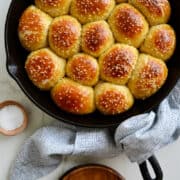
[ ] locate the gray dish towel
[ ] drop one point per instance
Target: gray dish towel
(139, 137)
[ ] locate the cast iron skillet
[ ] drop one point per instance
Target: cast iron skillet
(16, 56)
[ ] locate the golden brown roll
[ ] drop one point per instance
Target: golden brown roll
(113, 99)
(160, 42)
(116, 64)
(44, 68)
(64, 36)
(148, 77)
(33, 28)
(83, 69)
(91, 10)
(73, 97)
(156, 11)
(128, 25)
(54, 7)
(96, 38)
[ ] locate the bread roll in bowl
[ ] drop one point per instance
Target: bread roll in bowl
(73, 97)
(83, 69)
(148, 77)
(160, 42)
(64, 36)
(156, 11)
(44, 68)
(128, 25)
(117, 63)
(33, 28)
(112, 99)
(54, 7)
(91, 10)
(96, 38)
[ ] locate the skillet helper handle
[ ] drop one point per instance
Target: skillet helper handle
(156, 167)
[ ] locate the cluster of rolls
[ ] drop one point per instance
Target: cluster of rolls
(97, 54)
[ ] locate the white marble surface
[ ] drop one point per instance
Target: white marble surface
(9, 146)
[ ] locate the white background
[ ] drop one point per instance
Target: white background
(169, 157)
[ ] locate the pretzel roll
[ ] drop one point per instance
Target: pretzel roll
(83, 69)
(113, 99)
(44, 68)
(160, 42)
(156, 11)
(64, 36)
(33, 28)
(116, 65)
(128, 25)
(73, 97)
(91, 10)
(148, 77)
(54, 7)
(96, 38)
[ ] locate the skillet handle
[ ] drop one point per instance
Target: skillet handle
(156, 167)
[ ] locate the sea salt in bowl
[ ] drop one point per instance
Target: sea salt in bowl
(13, 118)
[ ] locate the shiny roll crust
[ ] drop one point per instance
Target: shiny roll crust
(91, 10)
(33, 28)
(112, 99)
(83, 69)
(73, 97)
(54, 7)
(64, 36)
(96, 38)
(128, 25)
(148, 77)
(44, 68)
(116, 64)
(156, 11)
(160, 42)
